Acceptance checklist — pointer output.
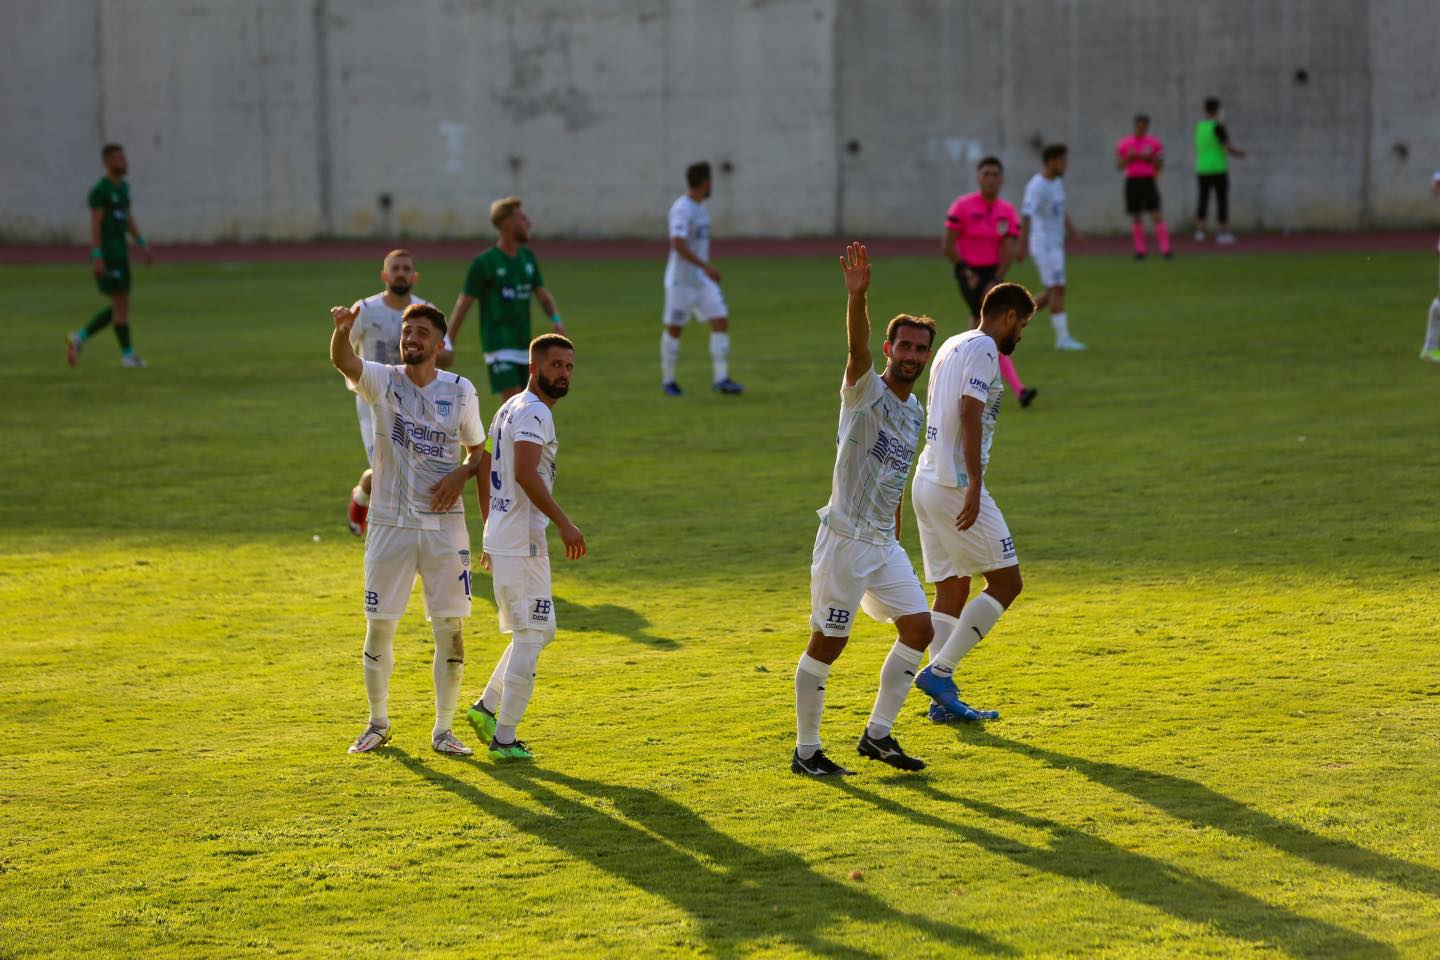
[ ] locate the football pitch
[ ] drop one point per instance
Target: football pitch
(1220, 690)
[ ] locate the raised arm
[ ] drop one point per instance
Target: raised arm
(342, 352)
(527, 475)
(856, 264)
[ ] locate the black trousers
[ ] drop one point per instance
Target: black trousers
(1220, 183)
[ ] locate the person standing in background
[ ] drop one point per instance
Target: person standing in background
(1213, 151)
(1141, 156)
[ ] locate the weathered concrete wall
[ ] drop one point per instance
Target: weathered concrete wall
(285, 119)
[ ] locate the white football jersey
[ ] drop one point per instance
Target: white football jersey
(874, 450)
(375, 334)
(1044, 204)
(515, 526)
(968, 365)
(420, 435)
(689, 221)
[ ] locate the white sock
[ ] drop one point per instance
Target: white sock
(379, 660)
(944, 625)
(525, 647)
(720, 354)
(1432, 329)
(810, 676)
(449, 670)
(897, 676)
(495, 688)
(1061, 323)
(976, 620)
(360, 496)
(669, 356)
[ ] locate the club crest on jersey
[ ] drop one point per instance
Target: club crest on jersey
(529, 270)
(464, 558)
(442, 407)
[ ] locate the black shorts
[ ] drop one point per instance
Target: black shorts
(1141, 195)
(973, 295)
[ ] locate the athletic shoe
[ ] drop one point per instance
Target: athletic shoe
(1168, 254)
(72, 349)
(1225, 238)
(133, 361)
(672, 389)
(1027, 395)
(1139, 256)
(727, 386)
(356, 517)
(448, 743)
(817, 765)
(939, 714)
(372, 738)
(1069, 343)
(1199, 236)
(886, 750)
(514, 750)
(482, 720)
(940, 689)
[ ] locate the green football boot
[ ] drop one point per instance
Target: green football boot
(482, 720)
(515, 750)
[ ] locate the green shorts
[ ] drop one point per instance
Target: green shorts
(505, 375)
(116, 278)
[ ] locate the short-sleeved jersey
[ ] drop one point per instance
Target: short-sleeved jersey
(1044, 204)
(689, 221)
(375, 334)
(980, 226)
(113, 201)
(503, 286)
(1141, 155)
(515, 526)
(874, 450)
(419, 433)
(968, 365)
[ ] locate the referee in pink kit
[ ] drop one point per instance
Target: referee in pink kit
(982, 239)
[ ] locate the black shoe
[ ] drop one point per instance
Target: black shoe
(1168, 255)
(886, 750)
(1027, 395)
(1139, 256)
(818, 765)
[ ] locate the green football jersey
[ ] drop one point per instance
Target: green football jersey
(503, 286)
(113, 201)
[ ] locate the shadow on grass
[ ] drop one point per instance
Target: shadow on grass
(733, 893)
(1080, 856)
(1198, 804)
(610, 618)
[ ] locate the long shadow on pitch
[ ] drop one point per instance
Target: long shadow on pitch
(1081, 856)
(610, 618)
(1187, 800)
(732, 892)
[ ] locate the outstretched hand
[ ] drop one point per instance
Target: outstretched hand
(856, 264)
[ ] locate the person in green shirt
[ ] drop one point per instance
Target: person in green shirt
(1213, 151)
(110, 222)
(503, 279)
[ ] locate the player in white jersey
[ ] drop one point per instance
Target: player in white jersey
(858, 562)
(962, 531)
(1431, 350)
(518, 508)
(1044, 226)
(424, 419)
(692, 286)
(375, 336)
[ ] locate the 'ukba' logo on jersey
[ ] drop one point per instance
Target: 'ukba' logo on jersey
(442, 407)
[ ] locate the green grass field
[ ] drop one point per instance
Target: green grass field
(1221, 688)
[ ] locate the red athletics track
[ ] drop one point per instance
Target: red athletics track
(721, 249)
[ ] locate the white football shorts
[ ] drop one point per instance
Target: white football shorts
(395, 555)
(848, 574)
(367, 429)
(1050, 261)
(702, 304)
(948, 552)
(522, 593)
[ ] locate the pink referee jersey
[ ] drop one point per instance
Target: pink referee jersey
(1139, 154)
(981, 224)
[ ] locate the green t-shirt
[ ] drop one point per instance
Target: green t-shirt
(113, 200)
(1210, 148)
(503, 286)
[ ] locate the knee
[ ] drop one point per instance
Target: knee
(1005, 587)
(720, 324)
(449, 635)
(675, 331)
(825, 649)
(917, 635)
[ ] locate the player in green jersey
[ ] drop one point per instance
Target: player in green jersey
(1213, 151)
(110, 221)
(503, 279)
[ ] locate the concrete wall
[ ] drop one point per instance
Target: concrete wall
(265, 118)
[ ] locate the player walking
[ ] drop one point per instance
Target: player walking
(110, 221)
(980, 240)
(422, 418)
(962, 531)
(519, 507)
(1044, 225)
(692, 286)
(1141, 156)
(1213, 151)
(503, 279)
(1431, 350)
(858, 561)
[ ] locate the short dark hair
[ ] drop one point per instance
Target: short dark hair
(892, 330)
(110, 148)
(426, 312)
(547, 342)
(990, 162)
(1212, 104)
(1053, 151)
(696, 174)
(1142, 118)
(1005, 297)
